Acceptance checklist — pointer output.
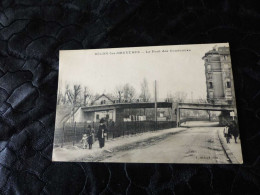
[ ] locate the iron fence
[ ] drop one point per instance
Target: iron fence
(71, 133)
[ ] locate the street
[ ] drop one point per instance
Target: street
(198, 144)
(194, 142)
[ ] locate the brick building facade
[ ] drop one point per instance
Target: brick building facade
(219, 79)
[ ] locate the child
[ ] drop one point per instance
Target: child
(91, 131)
(90, 140)
(84, 140)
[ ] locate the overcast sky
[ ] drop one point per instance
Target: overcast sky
(174, 71)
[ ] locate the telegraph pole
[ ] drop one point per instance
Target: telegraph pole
(155, 104)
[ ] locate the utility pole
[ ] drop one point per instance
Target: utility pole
(155, 104)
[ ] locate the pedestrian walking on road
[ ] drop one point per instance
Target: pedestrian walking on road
(235, 132)
(227, 134)
(102, 132)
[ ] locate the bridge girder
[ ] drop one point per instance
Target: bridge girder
(210, 107)
(126, 106)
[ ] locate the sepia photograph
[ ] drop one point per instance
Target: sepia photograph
(157, 104)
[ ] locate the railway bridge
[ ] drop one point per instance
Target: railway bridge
(200, 106)
(116, 109)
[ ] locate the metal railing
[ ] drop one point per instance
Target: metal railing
(71, 133)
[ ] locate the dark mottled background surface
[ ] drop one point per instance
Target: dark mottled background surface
(32, 33)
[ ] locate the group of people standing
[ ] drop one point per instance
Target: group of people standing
(89, 138)
(230, 130)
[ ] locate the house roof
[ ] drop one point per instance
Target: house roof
(110, 98)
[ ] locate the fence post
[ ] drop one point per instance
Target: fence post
(113, 130)
(107, 129)
(138, 126)
(85, 127)
(63, 134)
(74, 140)
(135, 127)
(123, 129)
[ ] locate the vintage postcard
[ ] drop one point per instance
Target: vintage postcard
(161, 104)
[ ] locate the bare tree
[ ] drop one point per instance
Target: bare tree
(68, 94)
(76, 94)
(119, 92)
(73, 97)
(201, 100)
(128, 92)
(86, 95)
(145, 94)
(92, 98)
(179, 96)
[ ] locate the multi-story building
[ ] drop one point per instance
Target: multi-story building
(218, 75)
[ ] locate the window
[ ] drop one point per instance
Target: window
(107, 116)
(210, 85)
(97, 116)
(228, 85)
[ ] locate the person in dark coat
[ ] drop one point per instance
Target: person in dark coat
(90, 137)
(235, 132)
(230, 130)
(227, 133)
(102, 132)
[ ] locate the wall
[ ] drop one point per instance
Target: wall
(103, 114)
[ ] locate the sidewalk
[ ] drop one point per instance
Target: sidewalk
(233, 150)
(77, 153)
